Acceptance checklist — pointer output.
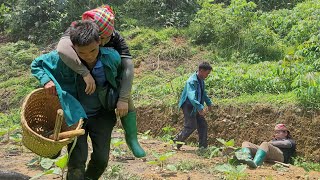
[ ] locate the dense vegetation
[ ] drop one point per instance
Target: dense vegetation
(257, 48)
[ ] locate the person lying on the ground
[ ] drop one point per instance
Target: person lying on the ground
(281, 148)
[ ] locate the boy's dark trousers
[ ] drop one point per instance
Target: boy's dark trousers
(193, 121)
(99, 128)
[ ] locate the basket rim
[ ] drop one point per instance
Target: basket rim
(25, 124)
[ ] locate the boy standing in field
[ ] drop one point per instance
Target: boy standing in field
(57, 78)
(192, 103)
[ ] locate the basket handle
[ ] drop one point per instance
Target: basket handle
(69, 134)
(57, 126)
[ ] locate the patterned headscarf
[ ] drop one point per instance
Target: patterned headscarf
(281, 127)
(104, 17)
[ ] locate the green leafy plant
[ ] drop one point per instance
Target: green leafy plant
(226, 144)
(50, 166)
(116, 172)
(145, 135)
(232, 172)
(11, 133)
(187, 165)
(117, 149)
(16, 138)
(113, 171)
(161, 160)
(168, 136)
(279, 167)
(209, 152)
(168, 133)
(228, 147)
(306, 165)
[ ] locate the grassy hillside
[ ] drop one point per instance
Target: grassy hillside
(164, 59)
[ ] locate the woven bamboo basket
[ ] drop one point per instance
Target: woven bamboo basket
(38, 117)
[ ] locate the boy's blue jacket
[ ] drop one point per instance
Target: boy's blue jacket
(190, 91)
(50, 67)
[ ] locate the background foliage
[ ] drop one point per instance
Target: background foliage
(257, 46)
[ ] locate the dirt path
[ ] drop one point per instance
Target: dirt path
(125, 167)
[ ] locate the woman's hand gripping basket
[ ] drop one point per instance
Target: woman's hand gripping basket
(43, 127)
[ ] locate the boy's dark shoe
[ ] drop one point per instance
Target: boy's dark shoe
(178, 145)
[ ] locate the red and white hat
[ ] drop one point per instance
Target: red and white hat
(281, 127)
(104, 17)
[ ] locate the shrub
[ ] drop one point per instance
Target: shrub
(38, 21)
(280, 21)
(177, 13)
(309, 92)
(4, 11)
(310, 50)
(16, 57)
(260, 44)
(268, 5)
(221, 28)
(307, 22)
(44, 21)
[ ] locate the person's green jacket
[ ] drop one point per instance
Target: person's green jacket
(190, 91)
(50, 67)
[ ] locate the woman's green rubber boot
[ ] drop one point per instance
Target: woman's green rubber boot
(129, 124)
(246, 158)
(259, 157)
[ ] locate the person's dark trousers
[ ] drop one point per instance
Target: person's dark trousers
(202, 128)
(99, 128)
(192, 122)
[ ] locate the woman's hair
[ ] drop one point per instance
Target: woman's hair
(83, 33)
(289, 135)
